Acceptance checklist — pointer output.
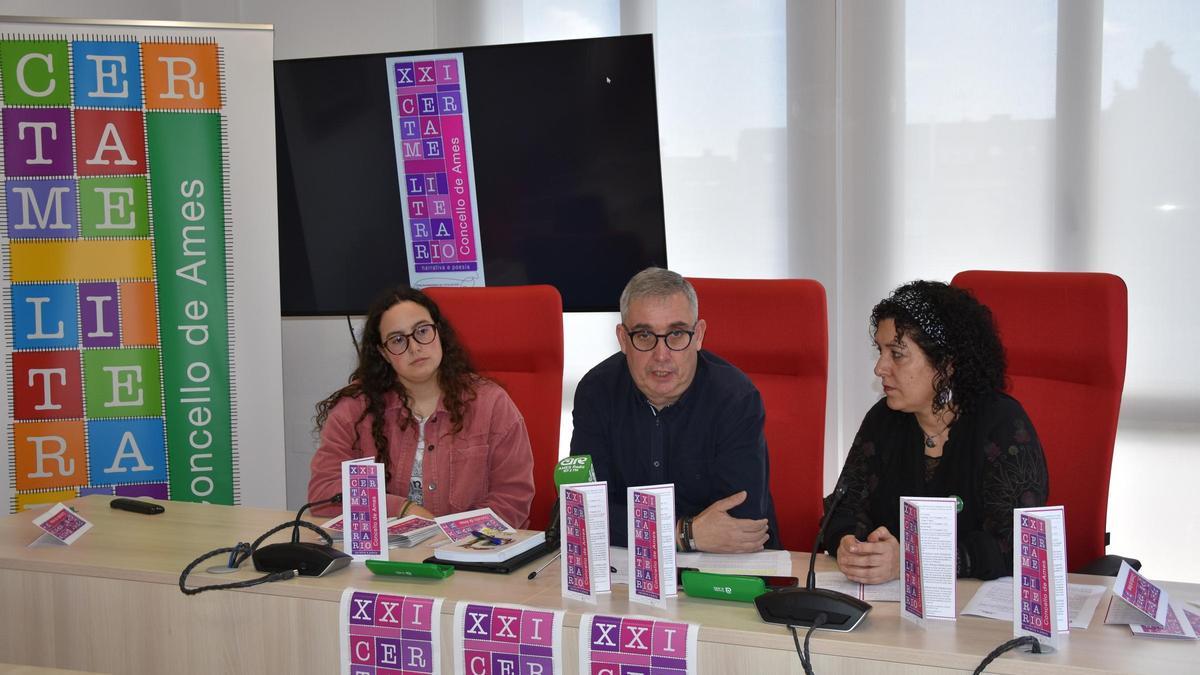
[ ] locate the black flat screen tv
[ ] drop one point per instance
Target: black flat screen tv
(563, 152)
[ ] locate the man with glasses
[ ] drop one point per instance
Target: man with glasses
(663, 411)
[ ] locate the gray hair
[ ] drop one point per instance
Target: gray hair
(656, 282)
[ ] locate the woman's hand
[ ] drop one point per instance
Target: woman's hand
(415, 510)
(873, 561)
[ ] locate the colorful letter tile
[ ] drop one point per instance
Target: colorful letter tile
(114, 207)
(107, 74)
(35, 72)
(47, 385)
(181, 76)
(126, 450)
(139, 314)
(110, 142)
(99, 314)
(44, 316)
(37, 142)
(122, 383)
(49, 454)
(41, 209)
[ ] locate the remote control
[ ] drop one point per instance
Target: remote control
(136, 505)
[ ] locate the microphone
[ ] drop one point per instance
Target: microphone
(569, 470)
(811, 605)
(839, 491)
(309, 559)
(336, 499)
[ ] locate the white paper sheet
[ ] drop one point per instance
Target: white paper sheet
(993, 600)
(836, 581)
(763, 563)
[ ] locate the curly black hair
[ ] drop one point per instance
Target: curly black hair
(965, 348)
(374, 376)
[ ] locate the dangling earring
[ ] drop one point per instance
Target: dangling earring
(944, 397)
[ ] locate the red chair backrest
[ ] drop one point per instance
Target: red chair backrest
(776, 331)
(1065, 335)
(514, 335)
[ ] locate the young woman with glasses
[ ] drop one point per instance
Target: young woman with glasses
(450, 439)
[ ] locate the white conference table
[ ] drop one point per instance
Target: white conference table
(111, 603)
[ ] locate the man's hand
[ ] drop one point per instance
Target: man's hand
(873, 561)
(716, 531)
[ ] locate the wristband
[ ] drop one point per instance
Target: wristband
(686, 539)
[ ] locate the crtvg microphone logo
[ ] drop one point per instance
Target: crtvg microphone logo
(574, 462)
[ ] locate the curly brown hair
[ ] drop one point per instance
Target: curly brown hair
(965, 350)
(374, 376)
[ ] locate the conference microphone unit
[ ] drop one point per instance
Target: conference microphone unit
(309, 559)
(810, 605)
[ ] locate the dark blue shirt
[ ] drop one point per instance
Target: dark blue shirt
(709, 443)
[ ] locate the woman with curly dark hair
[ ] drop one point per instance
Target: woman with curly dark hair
(944, 428)
(450, 440)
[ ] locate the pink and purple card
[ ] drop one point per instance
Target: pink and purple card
(1136, 599)
(61, 525)
(506, 639)
(913, 590)
(1035, 612)
(462, 526)
(1180, 625)
(364, 507)
(1040, 573)
(383, 634)
(408, 525)
(928, 539)
(636, 644)
(650, 523)
(583, 521)
(431, 131)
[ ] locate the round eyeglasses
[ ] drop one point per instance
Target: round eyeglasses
(397, 343)
(676, 340)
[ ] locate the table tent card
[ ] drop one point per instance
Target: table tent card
(382, 633)
(364, 506)
(61, 525)
(583, 522)
(636, 644)
(1136, 600)
(1181, 624)
(928, 546)
(1039, 593)
(651, 528)
(498, 639)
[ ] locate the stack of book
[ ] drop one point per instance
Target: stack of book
(403, 532)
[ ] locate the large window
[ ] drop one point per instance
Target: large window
(979, 137)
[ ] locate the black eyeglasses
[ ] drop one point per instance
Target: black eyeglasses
(397, 343)
(677, 340)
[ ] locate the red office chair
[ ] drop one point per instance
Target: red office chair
(776, 332)
(515, 336)
(1065, 337)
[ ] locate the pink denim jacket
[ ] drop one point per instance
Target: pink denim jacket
(487, 464)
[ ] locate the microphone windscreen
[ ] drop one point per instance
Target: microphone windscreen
(574, 469)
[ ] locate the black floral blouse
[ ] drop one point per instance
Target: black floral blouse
(992, 460)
